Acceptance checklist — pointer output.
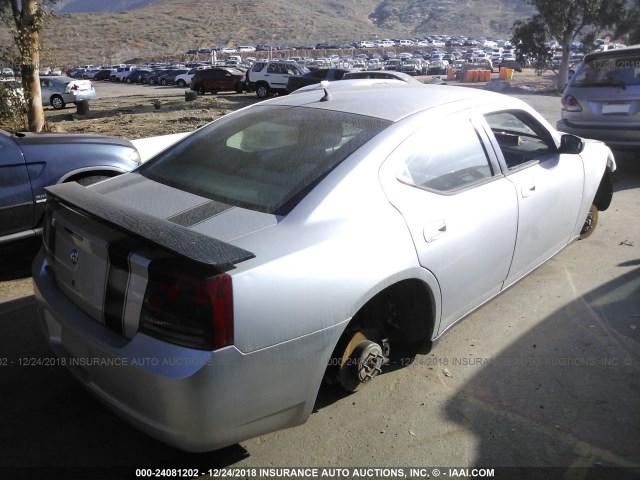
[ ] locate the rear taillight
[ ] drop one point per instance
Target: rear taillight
(571, 104)
(188, 310)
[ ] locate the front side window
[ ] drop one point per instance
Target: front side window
(444, 158)
(520, 137)
(265, 158)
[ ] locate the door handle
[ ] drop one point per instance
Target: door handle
(433, 231)
(528, 190)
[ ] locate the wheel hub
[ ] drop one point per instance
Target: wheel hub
(361, 361)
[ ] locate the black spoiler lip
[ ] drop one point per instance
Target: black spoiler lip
(175, 238)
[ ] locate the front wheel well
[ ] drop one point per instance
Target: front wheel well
(96, 175)
(604, 194)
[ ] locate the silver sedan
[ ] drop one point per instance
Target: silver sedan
(58, 91)
(205, 296)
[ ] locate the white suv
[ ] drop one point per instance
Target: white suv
(121, 73)
(267, 78)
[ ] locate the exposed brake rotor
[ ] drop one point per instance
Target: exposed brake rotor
(362, 360)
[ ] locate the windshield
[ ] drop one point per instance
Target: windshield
(620, 71)
(265, 158)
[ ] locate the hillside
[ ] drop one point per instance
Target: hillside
(164, 28)
(97, 6)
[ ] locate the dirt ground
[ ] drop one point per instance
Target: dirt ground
(145, 113)
(138, 111)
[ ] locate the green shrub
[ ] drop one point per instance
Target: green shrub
(13, 107)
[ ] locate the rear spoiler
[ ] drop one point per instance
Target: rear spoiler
(175, 238)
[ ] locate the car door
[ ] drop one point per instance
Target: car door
(16, 198)
(549, 186)
(46, 90)
(278, 74)
(461, 211)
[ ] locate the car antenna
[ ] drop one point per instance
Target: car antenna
(326, 96)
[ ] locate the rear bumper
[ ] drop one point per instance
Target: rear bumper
(191, 399)
(614, 137)
(79, 95)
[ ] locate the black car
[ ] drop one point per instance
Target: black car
(137, 75)
(316, 76)
(170, 77)
(103, 74)
(32, 161)
(153, 78)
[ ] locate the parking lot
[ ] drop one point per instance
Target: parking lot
(542, 382)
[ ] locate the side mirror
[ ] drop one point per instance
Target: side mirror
(571, 144)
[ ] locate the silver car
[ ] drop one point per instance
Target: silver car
(205, 296)
(58, 91)
(602, 99)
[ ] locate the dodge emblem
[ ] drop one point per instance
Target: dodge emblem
(75, 256)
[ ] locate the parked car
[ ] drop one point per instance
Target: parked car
(7, 73)
(170, 77)
(121, 73)
(153, 78)
(184, 79)
(150, 77)
(507, 62)
(218, 79)
(205, 296)
(437, 67)
(90, 74)
(414, 66)
(394, 64)
(315, 76)
(137, 75)
(58, 91)
(381, 74)
(268, 78)
(602, 99)
(32, 161)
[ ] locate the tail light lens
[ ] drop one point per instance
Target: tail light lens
(571, 104)
(190, 310)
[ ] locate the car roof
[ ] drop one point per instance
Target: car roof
(633, 49)
(401, 100)
(59, 78)
(383, 74)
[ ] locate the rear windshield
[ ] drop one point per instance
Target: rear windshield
(265, 158)
(613, 71)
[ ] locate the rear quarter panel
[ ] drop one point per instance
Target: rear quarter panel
(318, 266)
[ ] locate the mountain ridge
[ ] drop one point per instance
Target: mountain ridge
(169, 28)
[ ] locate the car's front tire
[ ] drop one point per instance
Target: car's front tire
(590, 223)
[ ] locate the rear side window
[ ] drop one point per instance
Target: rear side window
(265, 158)
(611, 71)
(445, 158)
